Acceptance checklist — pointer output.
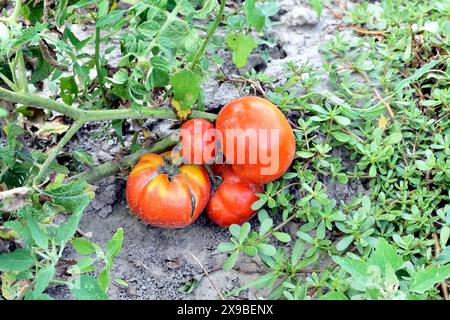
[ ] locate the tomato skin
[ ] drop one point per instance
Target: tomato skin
(231, 202)
(197, 137)
(165, 199)
(259, 116)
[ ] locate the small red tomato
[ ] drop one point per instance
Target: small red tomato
(256, 139)
(232, 201)
(198, 138)
(164, 193)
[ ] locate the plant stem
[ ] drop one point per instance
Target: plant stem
(210, 34)
(107, 169)
(98, 65)
(96, 115)
(53, 154)
(13, 17)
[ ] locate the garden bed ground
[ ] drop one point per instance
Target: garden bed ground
(156, 262)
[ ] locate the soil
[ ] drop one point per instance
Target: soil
(157, 262)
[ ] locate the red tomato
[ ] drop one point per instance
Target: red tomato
(256, 139)
(198, 138)
(165, 194)
(231, 202)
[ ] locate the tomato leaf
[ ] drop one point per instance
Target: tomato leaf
(186, 87)
(242, 46)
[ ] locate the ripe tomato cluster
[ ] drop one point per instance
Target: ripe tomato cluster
(172, 189)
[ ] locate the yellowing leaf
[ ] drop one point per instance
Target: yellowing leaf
(382, 122)
(181, 114)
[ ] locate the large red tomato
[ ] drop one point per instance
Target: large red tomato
(231, 202)
(197, 137)
(256, 139)
(165, 194)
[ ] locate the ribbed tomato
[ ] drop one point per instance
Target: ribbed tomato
(197, 137)
(164, 193)
(231, 202)
(256, 139)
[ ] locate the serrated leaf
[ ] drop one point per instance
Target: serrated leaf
(18, 260)
(254, 16)
(242, 46)
(109, 19)
(384, 253)
(186, 87)
(424, 280)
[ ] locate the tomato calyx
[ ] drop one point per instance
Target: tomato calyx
(170, 167)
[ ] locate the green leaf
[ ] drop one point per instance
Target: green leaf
(235, 230)
(186, 87)
(160, 70)
(114, 245)
(317, 6)
(37, 232)
(242, 46)
(71, 196)
(226, 247)
(417, 74)
(250, 250)
(18, 260)
(333, 295)
(43, 278)
(258, 204)
(83, 266)
(424, 280)
(344, 243)
(259, 283)
(231, 261)
(87, 288)
(297, 251)
(444, 256)
(340, 136)
(83, 157)
(266, 225)
(103, 280)
(267, 249)
(243, 234)
(110, 18)
(69, 89)
(357, 269)
(384, 253)
(342, 120)
(3, 113)
(83, 246)
(422, 165)
(282, 236)
(393, 138)
(255, 17)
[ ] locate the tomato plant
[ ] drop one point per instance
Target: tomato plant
(256, 139)
(164, 193)
(198, 139)
(232, 200)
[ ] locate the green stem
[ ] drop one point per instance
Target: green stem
(98, 65)
(107, 169)
(54, 153)
(210, 34)
(13, 17)
(96, 115)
